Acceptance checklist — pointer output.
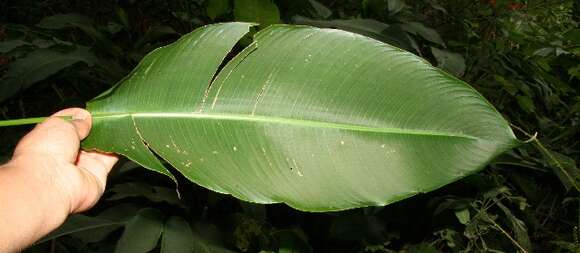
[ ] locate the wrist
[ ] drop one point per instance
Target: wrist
(41, 176)
(30, 207)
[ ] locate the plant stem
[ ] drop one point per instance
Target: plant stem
(548, 154)
(27, 121)
(508, 236)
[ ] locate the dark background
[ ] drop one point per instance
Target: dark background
(523, 56)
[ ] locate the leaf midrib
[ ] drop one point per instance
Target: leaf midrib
(286, 121)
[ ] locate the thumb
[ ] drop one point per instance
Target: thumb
(56, 137)
(80, 119)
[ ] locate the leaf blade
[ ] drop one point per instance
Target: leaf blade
(283, 122)
(129, 142)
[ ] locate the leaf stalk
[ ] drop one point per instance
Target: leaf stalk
(27, 121)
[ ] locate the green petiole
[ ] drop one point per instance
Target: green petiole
(27, 121)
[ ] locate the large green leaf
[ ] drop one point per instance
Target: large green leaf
(320, 119)
(392, 34)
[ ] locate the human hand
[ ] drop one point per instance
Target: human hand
(52, 149)
(48, 178)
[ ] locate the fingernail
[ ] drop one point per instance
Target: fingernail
(82, 115)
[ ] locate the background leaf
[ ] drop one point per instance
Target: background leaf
(7, 46)
(216, 8)
(62, 21)
(153, 193)
(206, 238)
(319, 9)
(263, 12)
(177, 236)
(565, 168)
(452, 62)
(424, 32)
(79, 223)
(39, 65)
(142, 232)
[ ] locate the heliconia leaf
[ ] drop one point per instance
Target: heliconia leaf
(320, 119)
(367, 27)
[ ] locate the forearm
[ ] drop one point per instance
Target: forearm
(30, 204)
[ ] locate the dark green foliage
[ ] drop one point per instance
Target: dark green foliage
(524, 56)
